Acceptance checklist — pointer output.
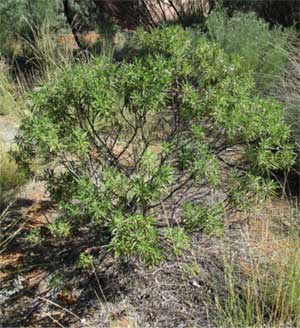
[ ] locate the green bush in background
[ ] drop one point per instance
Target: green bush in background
(20, 19)
(263, 50)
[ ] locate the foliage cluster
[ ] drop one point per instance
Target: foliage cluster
(204, 218)
(123, 139)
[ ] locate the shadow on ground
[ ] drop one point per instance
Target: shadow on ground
(43, 285)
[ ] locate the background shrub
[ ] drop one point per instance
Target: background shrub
(281, 12)
(124, 138)
(263, 50)
(19, 19)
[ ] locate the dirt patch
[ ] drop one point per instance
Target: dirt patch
(45, 287)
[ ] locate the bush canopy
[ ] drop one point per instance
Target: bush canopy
(125, 138)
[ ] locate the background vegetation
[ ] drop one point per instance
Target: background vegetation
(263, 50)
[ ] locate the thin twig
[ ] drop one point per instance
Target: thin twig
(54, 320)
(98, 282)
(59, 306)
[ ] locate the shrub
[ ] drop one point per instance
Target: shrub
(276, 12)
(263, 50)
(121, 139)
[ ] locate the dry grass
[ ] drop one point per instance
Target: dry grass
(48, 54)
(13, 103)
(263, 283)
(11, 178)
(287, 90)
(9, 102)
